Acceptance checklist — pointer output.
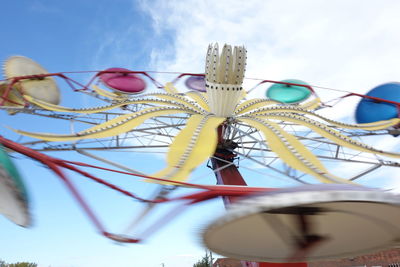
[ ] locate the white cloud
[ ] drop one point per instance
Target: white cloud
(186, 255)
(40, 7)
(347, 44)
(343, 44)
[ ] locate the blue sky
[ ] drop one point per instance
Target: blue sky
(346, 44)
(84, 35)
(107, 32)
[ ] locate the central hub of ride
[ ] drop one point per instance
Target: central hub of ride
(224, 78)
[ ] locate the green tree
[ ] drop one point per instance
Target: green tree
(18, 264)
(206, 261)
(22, 264)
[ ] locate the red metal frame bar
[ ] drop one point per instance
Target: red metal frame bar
(225, 170)
(55, 165)
(156, 83)
(71, 82)
(187, 74)
(4, 98)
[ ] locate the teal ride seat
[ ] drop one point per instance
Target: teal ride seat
(13, 195)
(288, 94)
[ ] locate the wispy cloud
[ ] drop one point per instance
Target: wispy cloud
(40, 7)
(344, 44)
(186, 255)
(349, 45)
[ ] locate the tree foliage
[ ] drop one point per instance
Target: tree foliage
(22, 264)
(206, 261)
(18, 264)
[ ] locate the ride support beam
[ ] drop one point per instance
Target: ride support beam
(226, 172)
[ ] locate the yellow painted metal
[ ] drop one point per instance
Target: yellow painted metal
(192, 146)
(200, 99)
(372, 126)
(108, 94)
(312, 104)
(170, 88)
(292, 151)
(58, 108)
(179, 99)
(116, 126)
(253, 104)
(332, 134)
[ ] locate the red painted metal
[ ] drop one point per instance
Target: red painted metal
(226, 172)
(4, 97)
(290, 264)
(56, 165)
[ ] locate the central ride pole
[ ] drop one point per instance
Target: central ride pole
(225, 170)
(227, 173)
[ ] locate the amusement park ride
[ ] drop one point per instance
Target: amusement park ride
(211, 117)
